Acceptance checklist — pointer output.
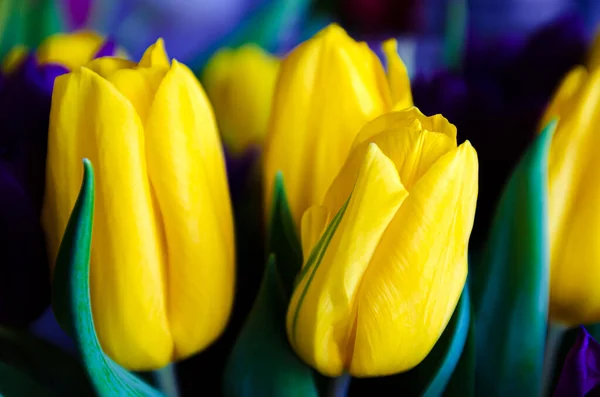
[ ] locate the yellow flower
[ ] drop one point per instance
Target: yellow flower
(162, 260)
(70, 50)
(574, 199)
(328, 88)
(376, 298)
(239, 84)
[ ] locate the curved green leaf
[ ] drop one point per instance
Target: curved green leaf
(510, 284)
(437, 368)
(72, 305)
(262, 363)
(282, 238)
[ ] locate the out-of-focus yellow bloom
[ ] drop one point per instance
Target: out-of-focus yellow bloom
(328, 88)
(377, 298)
(239, 84)
(574, 199)
(162, 260)
(70, 50)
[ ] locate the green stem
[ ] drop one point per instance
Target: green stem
(339, 386)
(166, 381)
(554, 338)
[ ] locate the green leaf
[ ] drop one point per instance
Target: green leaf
(456, 32)
(269, 27)
(13, 25)
(262, 363)
(282, 237)
(72, 305)
(462, 382)
(510, 284)
(43, 19)
(437, 368)
(44, 362)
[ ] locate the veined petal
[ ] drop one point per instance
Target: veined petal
(328, 88)
(91, 119)
(574, 209)
(187, 172)
(71, 50)
(155, 56)
(412, 150)
(397, 76)
(322, 313)
(418, 270)
(411, 119)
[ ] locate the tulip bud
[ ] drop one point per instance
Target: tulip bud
(239, 84)
(25, 94)
(376, 292)
(162, 257)
(574, 199)
(328, 88)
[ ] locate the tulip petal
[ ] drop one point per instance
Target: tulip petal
(70, 50)
(314, 223)
(128, 258)
(566, 97)
(401, 139)
(328, 75)
(397, 76)
(331, 285)
(574, 209)
(155, 56)
(187, 171)
(418, 270)
(107, 66)
(138, 86)
(410, 119)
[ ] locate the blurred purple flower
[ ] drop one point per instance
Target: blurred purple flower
(581, 369)
(25, 98)
(497, 98)
(78, 12)
(24, 112)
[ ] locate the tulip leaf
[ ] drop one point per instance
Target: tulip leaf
(283, 240)
(272, 26)
(262, 363)
(510, 284)
(43, 19)
(13, 25)
(72, 305)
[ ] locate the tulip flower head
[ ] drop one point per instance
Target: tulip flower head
(328, 88)
(162, 256)
(574, 199)
(239, 84)
(386, 251)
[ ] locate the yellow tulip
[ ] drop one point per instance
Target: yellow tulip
(375, 300)
(574, 199)
(328, 88)
(239, 84)
(162, 260)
